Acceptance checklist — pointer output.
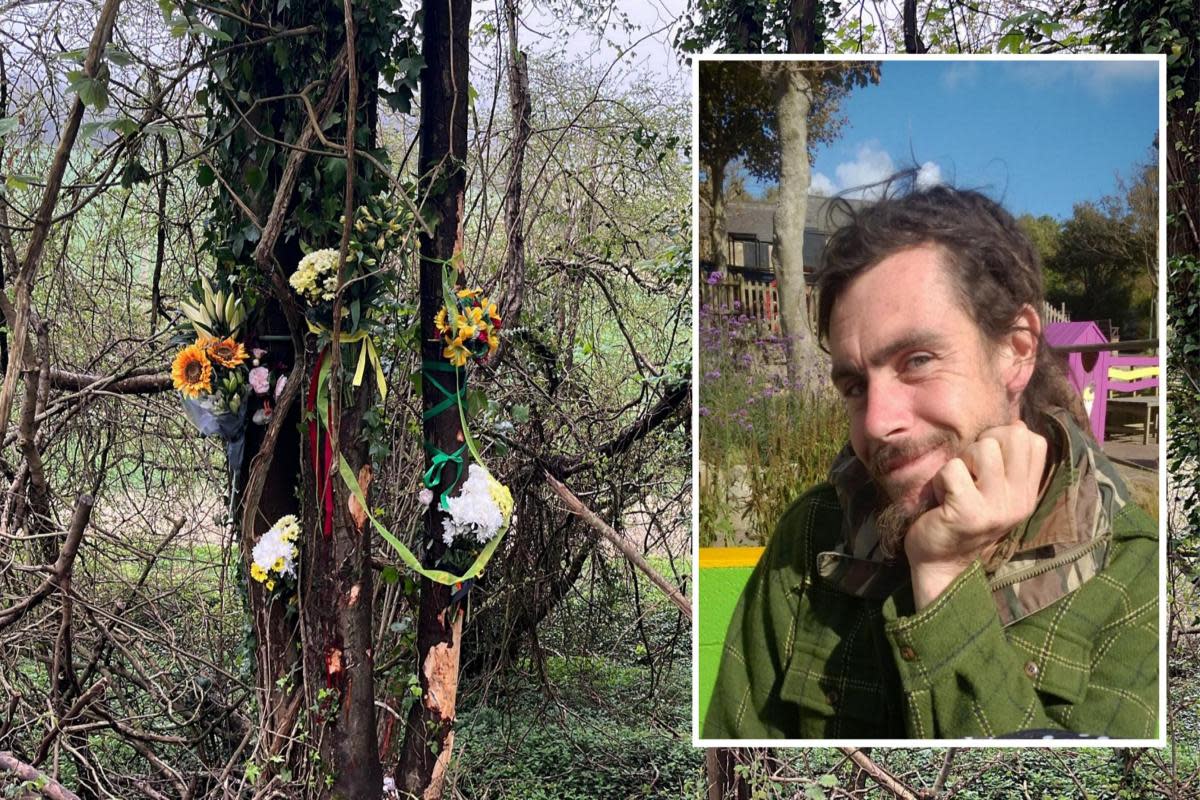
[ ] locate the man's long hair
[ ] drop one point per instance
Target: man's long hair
(993, 265)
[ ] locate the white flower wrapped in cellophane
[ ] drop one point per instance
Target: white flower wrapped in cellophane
(481, 509)
(274, 555)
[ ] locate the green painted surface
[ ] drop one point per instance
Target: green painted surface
(718, 591)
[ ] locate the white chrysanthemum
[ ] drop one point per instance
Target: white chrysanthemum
(276, 551)
(315, 278)
(479, 510)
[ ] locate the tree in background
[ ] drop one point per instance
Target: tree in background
(769, 116)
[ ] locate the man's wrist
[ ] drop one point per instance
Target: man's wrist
(930, 579)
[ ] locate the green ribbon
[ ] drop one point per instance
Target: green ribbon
(411, 561)
(433, 475)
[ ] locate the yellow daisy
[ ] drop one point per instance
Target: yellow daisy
(257, 572)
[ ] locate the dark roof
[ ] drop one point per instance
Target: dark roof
(756, 218)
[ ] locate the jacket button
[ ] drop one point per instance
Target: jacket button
(833, 697)
(1031, 669)
(908, 654)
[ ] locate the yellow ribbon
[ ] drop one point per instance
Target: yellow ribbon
(366, 353)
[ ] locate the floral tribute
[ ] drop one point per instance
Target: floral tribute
(273, 560)
(212, 368)
(315, 278)
(481, 509)
(469, 325)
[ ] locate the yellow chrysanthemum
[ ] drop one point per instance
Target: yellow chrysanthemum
(278, 565)
(457, 353)
(257, 572)
(226, 352)
(501, 495)
(191, 372)
(270, 584)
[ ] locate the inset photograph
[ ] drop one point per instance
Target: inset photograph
(930, 432)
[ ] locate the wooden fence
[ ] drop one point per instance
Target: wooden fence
(760, 300)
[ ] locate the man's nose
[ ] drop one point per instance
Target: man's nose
(887, 410)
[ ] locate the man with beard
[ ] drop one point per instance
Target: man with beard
(973, 567)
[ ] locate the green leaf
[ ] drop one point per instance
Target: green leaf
(212, 33)
(520, 413)
(124, 126)
(8, 125)
(92, 92)
(118, 56)
(134, 173)
(814, 792)
(19, 182)
(829, 781)
(205, 175)
(389, 575)
(255, 178)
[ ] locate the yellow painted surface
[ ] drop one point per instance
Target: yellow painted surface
(719, 557)
(1133, 374)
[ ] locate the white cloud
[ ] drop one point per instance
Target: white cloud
(871, 164)
(822, 185)
(1100, 79)
(959, 73)
(929, 175)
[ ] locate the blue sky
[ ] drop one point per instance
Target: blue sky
(1038, 135)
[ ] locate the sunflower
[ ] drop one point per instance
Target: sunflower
(439, 321)
(191, 372)
(226, 352)
(471, 293)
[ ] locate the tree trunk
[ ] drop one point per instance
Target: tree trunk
(514, 213)
(723, 782)
(429, 735)
(793, 94)
(717, 233)
(802, 26)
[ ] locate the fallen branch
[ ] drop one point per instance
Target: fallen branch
(576, 506)
(151, 383)
(40, 780)
(878, 774)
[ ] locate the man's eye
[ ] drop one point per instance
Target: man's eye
(918, 361)
(852, 390)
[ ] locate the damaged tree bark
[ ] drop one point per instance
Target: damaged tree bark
(429, 735)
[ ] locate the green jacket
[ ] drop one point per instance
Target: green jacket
(1058, 631)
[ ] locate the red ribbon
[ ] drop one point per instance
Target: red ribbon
(321, 452)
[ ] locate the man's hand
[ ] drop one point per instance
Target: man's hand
(982, 495)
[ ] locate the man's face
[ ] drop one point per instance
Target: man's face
(918, 380)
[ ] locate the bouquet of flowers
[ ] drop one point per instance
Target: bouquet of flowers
(481, 509)
(212, 371)
(469, 325)
(273, 560)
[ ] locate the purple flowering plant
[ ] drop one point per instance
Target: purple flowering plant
(763, 440)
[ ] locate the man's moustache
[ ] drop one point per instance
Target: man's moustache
(892, 454)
